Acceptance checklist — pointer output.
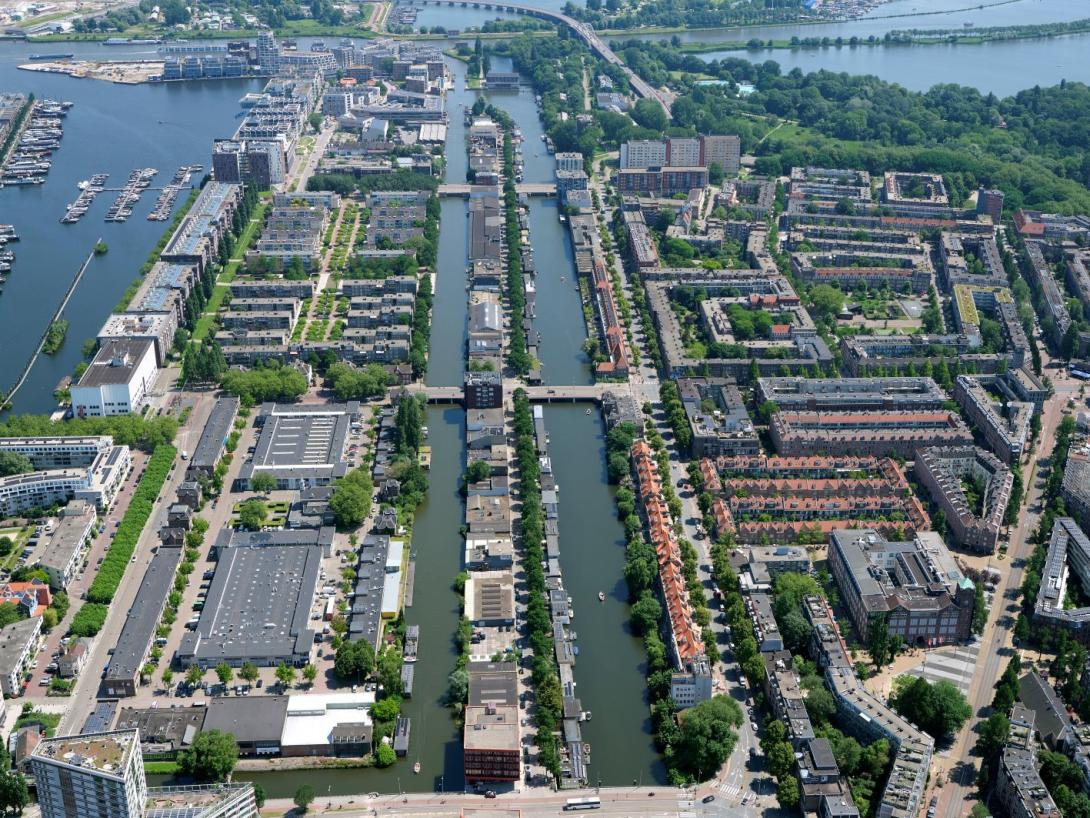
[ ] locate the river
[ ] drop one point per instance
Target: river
(110, 129)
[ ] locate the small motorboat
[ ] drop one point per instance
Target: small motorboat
(416, 768)
(601, 596)
(588, 411)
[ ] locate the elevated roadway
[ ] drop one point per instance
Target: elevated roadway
(585, 32)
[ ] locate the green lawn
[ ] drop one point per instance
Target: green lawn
(219, 293)
(19, 536)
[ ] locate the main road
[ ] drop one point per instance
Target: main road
(584, 31)
(955, 765)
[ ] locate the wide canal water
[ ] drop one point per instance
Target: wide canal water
(111, 129)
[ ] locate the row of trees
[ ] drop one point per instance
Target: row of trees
(117, 558)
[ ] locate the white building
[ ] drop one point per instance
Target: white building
(325, 724)
(569, 161)
(18, 644)
(118, 380)
(691, 686)
(60, 552)
(643, 153)
(683, 152)
(98, 483)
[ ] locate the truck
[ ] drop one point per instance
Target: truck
(329, 608)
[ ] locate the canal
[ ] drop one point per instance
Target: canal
(609, 671)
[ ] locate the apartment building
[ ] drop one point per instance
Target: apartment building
(943, 472)
(1068, 554)
(717, 416)
(60, 552)
(1076, 486)
(1005, 424)
(851, 394)
(491, 743)
(879, 433)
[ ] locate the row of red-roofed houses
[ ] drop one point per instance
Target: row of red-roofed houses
(687, 643)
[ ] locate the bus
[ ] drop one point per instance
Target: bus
(582, 803)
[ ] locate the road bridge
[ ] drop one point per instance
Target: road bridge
(584, 31)
(525, 189)
(591, 393)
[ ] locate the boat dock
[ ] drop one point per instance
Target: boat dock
(169, 194)
(28, 163)
(410, 579)
(88, 191)
(126, 200)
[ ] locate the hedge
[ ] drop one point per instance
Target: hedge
(89, 619)
(128, 532)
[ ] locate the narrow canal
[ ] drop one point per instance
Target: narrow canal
(435, 741)
(609, 671)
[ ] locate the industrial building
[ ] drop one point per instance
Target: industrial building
(259, 602)
(300, 445)
(119, 379)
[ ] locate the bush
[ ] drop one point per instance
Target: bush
(132, 524)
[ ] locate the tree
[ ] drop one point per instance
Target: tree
(477, 471)
(252, 515)
(259, 795)
(13, 463)
(304, 797)
(224, 672)
(211, 757)
(878, 643)
(14, 796)
(939, 709)
(646, 613)
(707, 736)
(285, 674)
(386, 709)
(826, 300)
(194, 675)
(820, 706)
(351, 499)
(993, 735)
(168, 676)
(354, 662)
(649, 114)
(262, 483)
(310, 673)
(385, 756)
(249, 672)
(787, 793)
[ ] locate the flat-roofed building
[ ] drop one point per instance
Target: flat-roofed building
(328, 724)
(259, 602)
(880, 433)
(18, 642)
(300, 445)
(491, 745)
(60, 553)
(118, 380)
(851, 394)
(490, 598)
(915, 587)
(159, 327)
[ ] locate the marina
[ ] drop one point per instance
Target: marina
(28, 163)
(139, 181)
(88, 190)
(169, 194)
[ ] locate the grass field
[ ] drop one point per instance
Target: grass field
(219, 293)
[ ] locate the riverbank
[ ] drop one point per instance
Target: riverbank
(645, 30)
(901, 39)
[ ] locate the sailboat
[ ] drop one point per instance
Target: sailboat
(416, 768)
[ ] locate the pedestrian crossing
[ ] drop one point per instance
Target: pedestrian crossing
(954, 664)
(730, 790)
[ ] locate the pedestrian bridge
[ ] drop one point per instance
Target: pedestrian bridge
(525, 189)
